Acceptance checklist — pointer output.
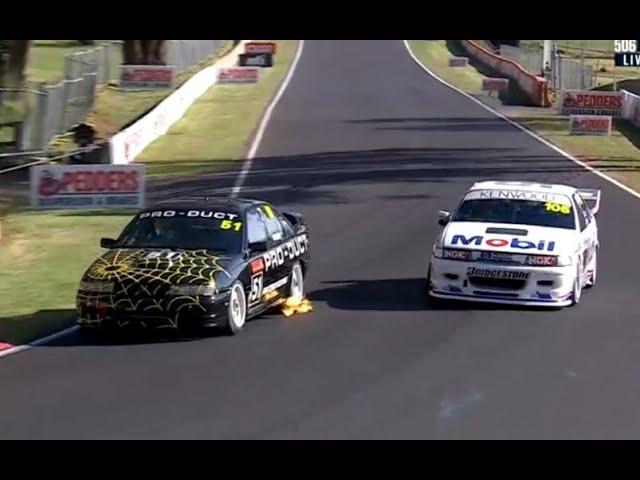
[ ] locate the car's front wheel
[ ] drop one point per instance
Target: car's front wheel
(577, 287)
(594, 271)
(296, 291)
(237, 310)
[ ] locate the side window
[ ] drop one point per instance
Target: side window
(286, 226)
(274, 227)
(256, 227)
(583, 220)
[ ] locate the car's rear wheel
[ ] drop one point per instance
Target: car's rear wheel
(237, 310)
(296, 290)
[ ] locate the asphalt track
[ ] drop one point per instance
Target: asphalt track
(368, 147)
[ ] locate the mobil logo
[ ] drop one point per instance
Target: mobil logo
(542, 245)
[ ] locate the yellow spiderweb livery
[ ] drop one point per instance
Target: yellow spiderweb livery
(142, 280)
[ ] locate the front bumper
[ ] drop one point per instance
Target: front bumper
(543, 286)
(100, 311)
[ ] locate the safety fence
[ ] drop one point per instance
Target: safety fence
(563, 74)
(47, 110)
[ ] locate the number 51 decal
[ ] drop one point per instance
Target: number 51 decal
(256, 289)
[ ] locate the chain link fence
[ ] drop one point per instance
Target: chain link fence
(47, 110)
(565, 73)
(183, 54)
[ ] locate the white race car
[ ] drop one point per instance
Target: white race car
(518, 243)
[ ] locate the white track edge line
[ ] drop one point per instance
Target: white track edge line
(40, 341)
(263, 123)
(525, 129)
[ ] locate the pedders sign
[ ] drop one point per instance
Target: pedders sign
(87, 186)
(238, 75)
(146, 76)
(586, 102)
(598, 125)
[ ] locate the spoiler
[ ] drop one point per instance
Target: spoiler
(592, 197)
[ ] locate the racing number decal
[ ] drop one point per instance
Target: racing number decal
(227, 225)
(256, 288)
(557, 208)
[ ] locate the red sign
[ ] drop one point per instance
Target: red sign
(238, 75)
(493, 84)
(590, 125)
(458, 61)
(592, 103)
(159, 76)
(260, 47)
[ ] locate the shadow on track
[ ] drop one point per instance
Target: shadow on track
(400, 294)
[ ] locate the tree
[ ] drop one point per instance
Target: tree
(145, 52)
(18, 58)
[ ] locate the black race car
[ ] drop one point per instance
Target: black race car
(192, 263)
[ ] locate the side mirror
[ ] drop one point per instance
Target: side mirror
(258, 247)
(107, 243)
(443, 217)
(294, 218)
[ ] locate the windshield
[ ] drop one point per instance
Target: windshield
(180, 230)
(525, 212)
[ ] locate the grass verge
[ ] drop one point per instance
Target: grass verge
(216, 127)
(618, 155)
(43, 254)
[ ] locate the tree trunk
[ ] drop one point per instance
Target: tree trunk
(17, 62)
(131, 52)
(145, 52)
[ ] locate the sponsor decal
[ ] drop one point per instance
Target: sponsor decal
(494, 273)
(189, 214)
(577, 102)
(238, 75)
(275, 285)
(146, 76)
(260, 47)
(287, 251)
(517, 195)
(598, 125)
(87, 186)
(542, 260)
(477, 240)
(257, 265)
(255, 60)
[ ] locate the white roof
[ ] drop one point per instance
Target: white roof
(524, 186)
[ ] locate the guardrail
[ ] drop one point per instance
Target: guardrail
(533, 86)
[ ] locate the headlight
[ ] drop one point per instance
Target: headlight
(97, 287)
(437, 252)
(193, 290)
(565, 260)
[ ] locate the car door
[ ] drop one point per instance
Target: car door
(280, 258)
(259, 273)
(588, 231)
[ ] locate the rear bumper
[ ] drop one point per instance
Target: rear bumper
(544, 286)
(206, 312)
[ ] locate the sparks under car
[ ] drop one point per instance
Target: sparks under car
(517, 243)
(196, 263)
